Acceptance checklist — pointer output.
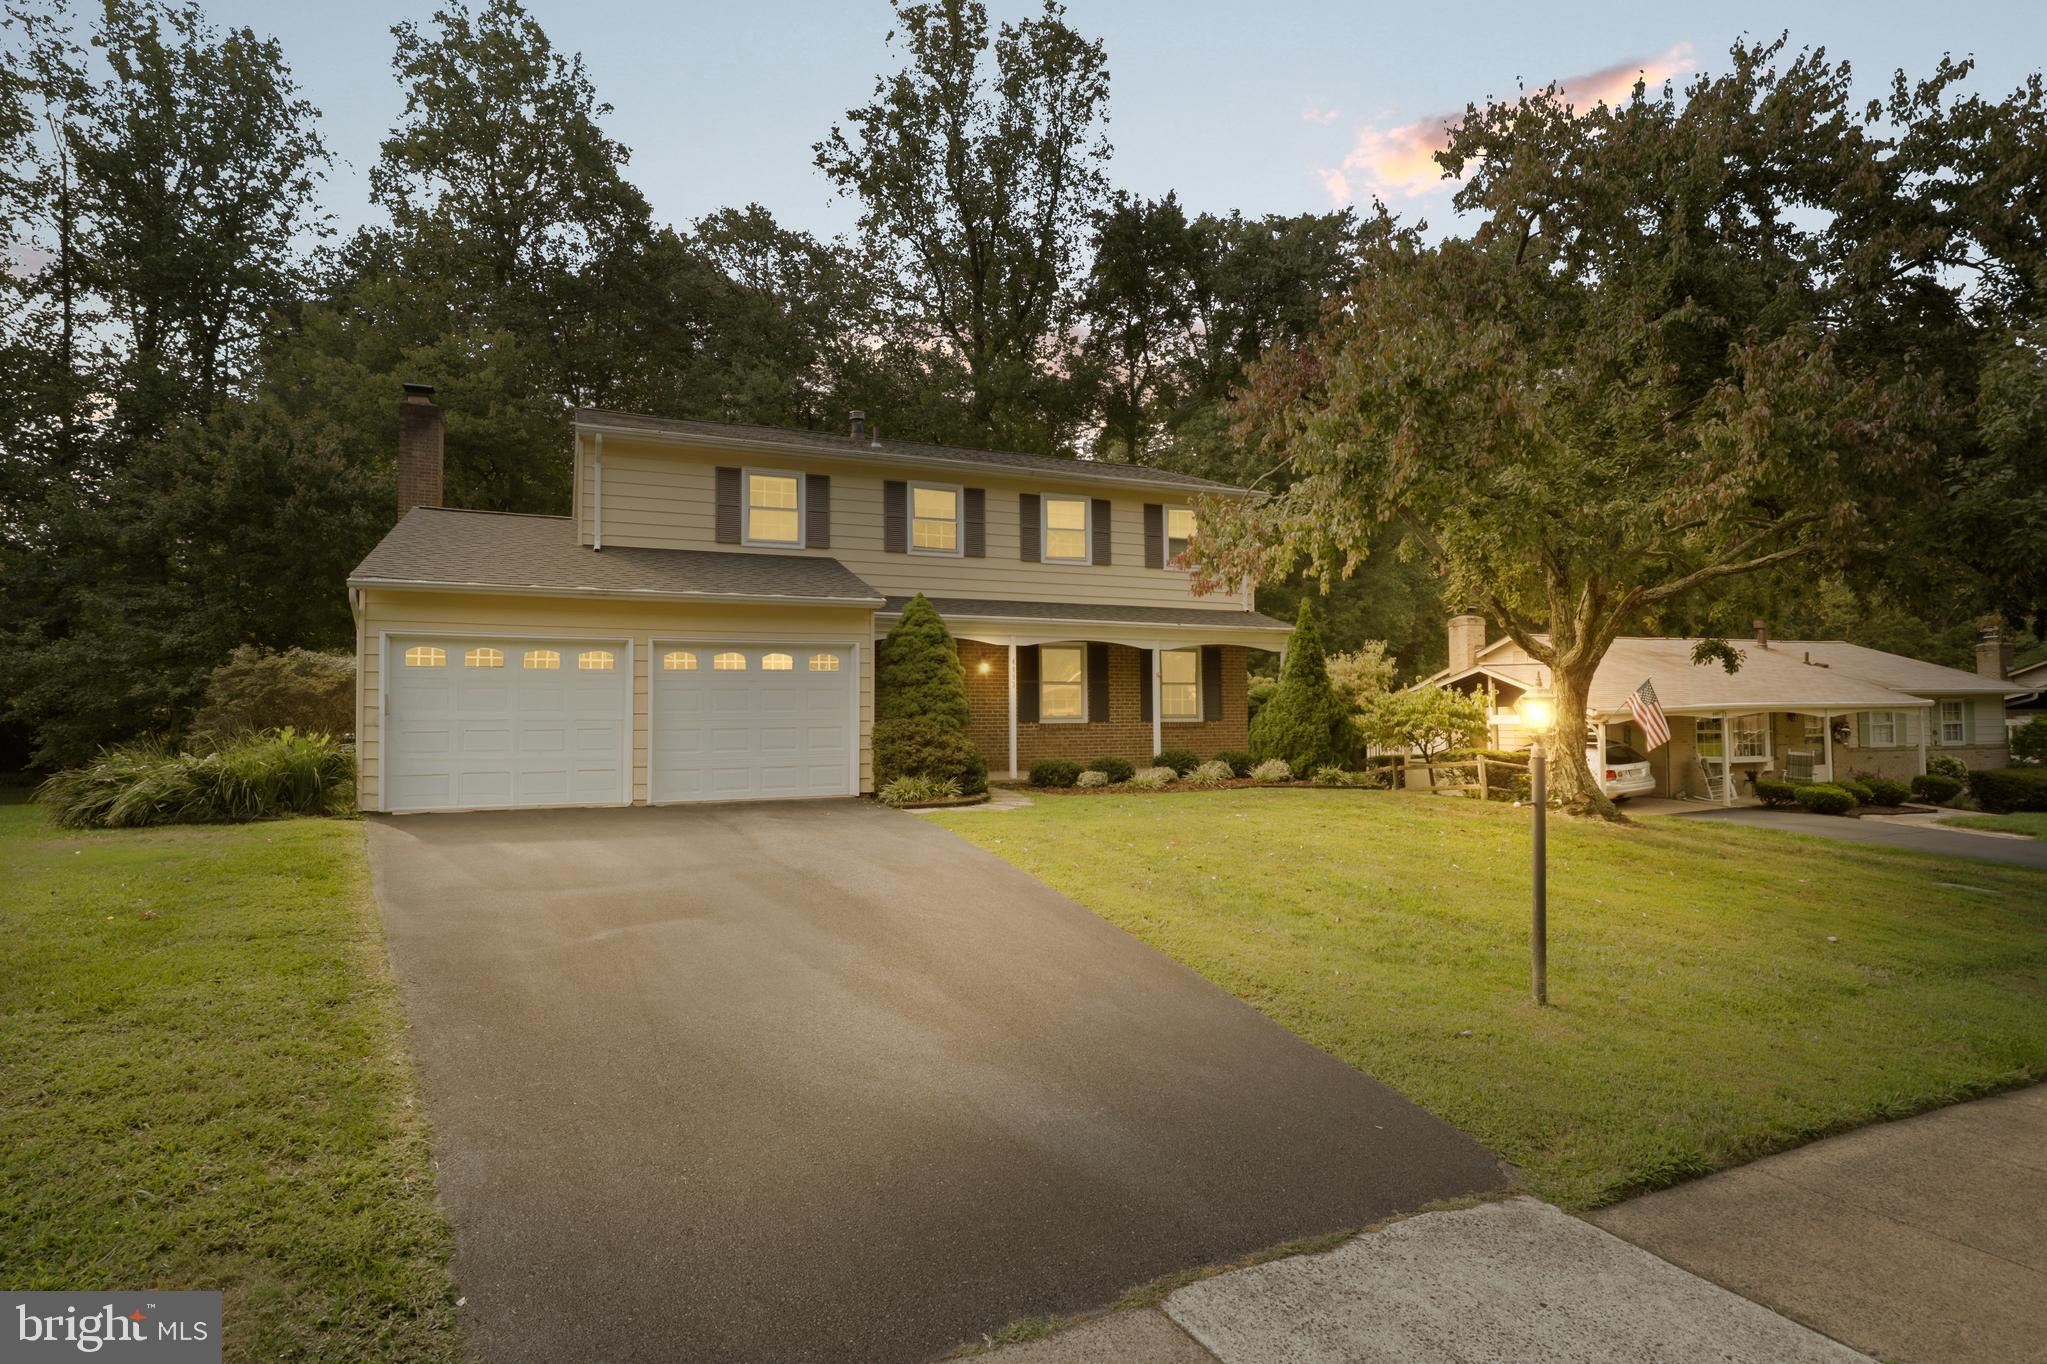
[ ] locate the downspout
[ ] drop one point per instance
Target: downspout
(597, 497)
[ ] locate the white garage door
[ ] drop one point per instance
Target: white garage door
(753, 721)
(495, 723)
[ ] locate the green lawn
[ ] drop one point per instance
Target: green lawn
(1718, 992)
(205, 1084)
(2029, 822)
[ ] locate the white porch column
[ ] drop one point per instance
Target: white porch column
(1014, 775)
(1158, 731)
(1726, 760)
(1827, 741)
(1921, 718)
(1599, 731)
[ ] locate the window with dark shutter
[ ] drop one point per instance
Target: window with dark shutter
(727, 519)
(1027, 685)
(1146, 659)
(1211, 681)
(1154, 535)
(895, 516)
(1027, 528)
(817, 496)
(977, 523)
(1100, 516)
(1098, 684)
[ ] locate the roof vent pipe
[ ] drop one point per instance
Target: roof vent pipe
(859, 424)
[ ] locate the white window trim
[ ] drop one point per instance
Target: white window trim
(1080, 719)
(1756, 726)
(1961, 722)
(959, 519)
(1897, 729)
(746, 535)
(1195, 718)
(1087, 529)
(1166, 533)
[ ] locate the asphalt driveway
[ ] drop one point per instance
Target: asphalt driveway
(820, 1081)
(1887, 831)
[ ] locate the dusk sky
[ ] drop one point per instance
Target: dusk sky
(1282, 106)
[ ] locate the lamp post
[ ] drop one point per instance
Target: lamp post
(1536, 715)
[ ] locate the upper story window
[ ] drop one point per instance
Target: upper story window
(1066, 539)
(1062, 692)
(1180, 684)
(774, 509)
(1953, 730)
(1179, 532)
(934, 519)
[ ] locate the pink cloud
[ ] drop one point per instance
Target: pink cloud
(1320, 117)
(1398, 162)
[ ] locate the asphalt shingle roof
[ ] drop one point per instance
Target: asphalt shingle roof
(905, 451)
(442, 545)
(986, 609)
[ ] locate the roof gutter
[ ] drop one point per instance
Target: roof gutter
(1221, 623)
(612, 593)
(894, 457)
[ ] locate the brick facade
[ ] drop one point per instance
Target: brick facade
(1123, 734)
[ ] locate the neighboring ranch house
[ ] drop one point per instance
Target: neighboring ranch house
(703, 625)
(1817, 708)
(2020, 710)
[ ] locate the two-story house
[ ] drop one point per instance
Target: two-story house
(702, 626)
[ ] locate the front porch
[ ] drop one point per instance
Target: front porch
(1717, 756)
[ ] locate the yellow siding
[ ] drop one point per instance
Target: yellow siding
(663, 496)
(385, 611)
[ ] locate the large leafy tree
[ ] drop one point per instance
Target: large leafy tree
(978, 167)
(1624, 387)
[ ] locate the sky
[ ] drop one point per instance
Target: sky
(1278, 107)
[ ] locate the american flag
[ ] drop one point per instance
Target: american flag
(1642, 704)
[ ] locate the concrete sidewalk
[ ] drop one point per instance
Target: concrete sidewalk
(1922, 1241)
(1508, 1281)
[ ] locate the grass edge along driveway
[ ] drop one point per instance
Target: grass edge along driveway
(1717, 992)
(207, 1085)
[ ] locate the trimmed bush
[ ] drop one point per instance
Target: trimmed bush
(917, 791)
(1936, 788)
(918, 674)
(257, 777)
(1237, 760)
(2007, 790)
(1858, 789)
(1093, 778)
(1055, 772)
(1883, 791)
(257, 691)
(1305, 722)
(1154, 778)
(1115, 769)
(1271, 770)
(1776, 794)
(1181, 760)
(1822, 798)
(1210, 774)
(928, 747)
(1948, 766)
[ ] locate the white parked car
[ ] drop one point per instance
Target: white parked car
(1627, 772)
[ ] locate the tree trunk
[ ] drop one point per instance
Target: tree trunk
(1571, 780)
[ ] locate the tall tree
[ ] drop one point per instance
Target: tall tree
(1620, 390)
(977, 180)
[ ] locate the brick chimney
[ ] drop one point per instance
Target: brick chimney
(1762, 628)
(421, 437)
(1467, 637)
(1993, 653)
(859, 424)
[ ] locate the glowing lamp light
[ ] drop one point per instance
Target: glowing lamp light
(1536, 711)
(982, 667)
